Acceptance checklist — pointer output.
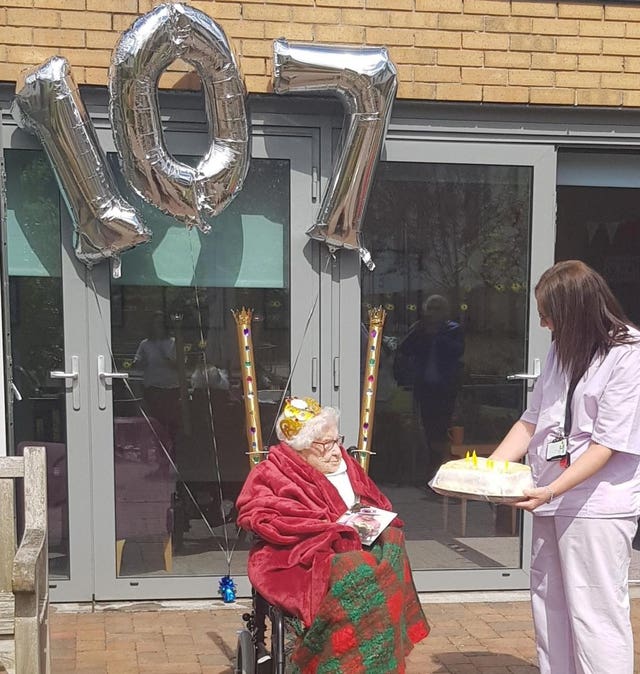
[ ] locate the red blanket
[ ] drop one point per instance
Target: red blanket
(371, 617)
(293, 509)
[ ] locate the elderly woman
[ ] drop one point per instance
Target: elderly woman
(355, 606)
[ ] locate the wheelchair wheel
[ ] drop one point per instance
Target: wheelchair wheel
(246, 654)
(277, 641)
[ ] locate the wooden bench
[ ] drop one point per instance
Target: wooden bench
(24, 581)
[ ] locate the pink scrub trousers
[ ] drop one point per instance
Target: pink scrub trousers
(580, 595)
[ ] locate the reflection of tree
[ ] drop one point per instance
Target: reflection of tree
(35, 301)
(461, 231)
(37, 328)
(504, 249)
(37, 211)
(468, 225)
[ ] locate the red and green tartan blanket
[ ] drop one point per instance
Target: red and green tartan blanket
(371, 616)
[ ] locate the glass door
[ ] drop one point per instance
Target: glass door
(133, 384)
(458, 239)
(49, 403)
(168, 416)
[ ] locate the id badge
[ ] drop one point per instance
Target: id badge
(557, 449)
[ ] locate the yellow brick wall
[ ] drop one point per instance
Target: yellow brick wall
(507, 51)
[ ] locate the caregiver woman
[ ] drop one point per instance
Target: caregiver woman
(581, 433)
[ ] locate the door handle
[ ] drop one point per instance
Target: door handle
(527, 376)
(102, 382)
(16, 394)
(74, 375)
(59, 374)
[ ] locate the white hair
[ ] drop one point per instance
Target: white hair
(311, 430)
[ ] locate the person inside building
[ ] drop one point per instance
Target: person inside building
(156, 357)
(428, 359)
(353, 605)
(581, 434)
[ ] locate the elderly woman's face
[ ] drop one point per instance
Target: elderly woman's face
(324, 453)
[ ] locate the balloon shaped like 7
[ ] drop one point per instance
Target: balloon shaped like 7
(48, 104)
(366, 81)
(154, 41)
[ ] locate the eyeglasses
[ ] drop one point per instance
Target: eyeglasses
(328, 445)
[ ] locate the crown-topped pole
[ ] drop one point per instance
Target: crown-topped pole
(243, 319)
(362, 454)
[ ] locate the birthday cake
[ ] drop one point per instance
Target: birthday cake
(480, 478)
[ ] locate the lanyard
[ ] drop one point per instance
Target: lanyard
(567, 409)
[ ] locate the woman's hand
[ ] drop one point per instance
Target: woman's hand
(594, 458)
(535, 498)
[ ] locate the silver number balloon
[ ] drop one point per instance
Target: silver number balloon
(167, 33)
(366, 81)
(48, 104)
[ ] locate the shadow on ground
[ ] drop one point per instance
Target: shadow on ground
(477, 662)
(468, 662)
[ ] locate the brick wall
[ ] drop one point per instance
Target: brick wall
(507, 51)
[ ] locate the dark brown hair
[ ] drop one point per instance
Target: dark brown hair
(586, 318)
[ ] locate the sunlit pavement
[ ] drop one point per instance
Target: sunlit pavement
(471, 633)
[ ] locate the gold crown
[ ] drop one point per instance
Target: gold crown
(296, 413)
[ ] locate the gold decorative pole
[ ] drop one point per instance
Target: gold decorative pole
(370, 385)
(247, 368)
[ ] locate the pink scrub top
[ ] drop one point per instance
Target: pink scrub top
(606, 410)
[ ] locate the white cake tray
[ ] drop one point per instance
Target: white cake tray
(487, 498)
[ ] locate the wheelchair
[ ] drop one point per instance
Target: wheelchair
(252, 655)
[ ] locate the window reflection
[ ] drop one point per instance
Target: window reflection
(451, 246)
(179, 429)
(37, 332)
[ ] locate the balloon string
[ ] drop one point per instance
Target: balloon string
(210, 402)
(314, 305)
(225, 550)
(229, 552)
(144, 415)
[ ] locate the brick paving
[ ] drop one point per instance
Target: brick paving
(466, 638)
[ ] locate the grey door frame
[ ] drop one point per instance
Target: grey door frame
(304, 345)
(90, 430)
(327, 341)
(79, 585)
(542, 160)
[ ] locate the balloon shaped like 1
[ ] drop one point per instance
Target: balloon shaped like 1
(366, 81)
(157, 39)
(48, 104)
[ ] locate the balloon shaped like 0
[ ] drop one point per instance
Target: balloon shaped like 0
(48, 104)
(366, 81)
(167, 33)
